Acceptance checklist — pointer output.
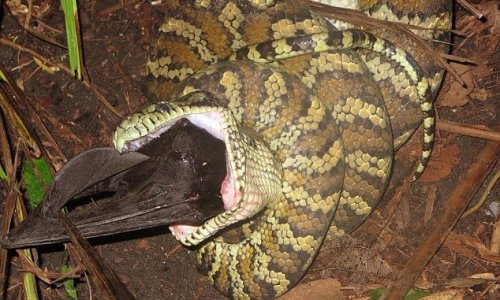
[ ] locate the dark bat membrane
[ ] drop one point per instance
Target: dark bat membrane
(175, 178)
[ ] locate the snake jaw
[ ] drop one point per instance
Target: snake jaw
(254, 176)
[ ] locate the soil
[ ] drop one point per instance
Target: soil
(116, 39)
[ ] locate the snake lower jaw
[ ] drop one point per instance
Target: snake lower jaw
(230, 196)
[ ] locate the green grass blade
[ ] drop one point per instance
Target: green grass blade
(29, 281)
(2, 76)
(37, 177)
(69, 284)
(3, 176)
(70, 10)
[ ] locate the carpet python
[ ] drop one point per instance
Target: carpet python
(310, 112)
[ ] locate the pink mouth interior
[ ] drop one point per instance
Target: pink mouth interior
(229, 197)
(211, 122)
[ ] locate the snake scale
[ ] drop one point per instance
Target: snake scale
(310, 112)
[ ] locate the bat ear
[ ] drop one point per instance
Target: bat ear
(85, 170)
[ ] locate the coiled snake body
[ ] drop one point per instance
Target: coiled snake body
(310, 116)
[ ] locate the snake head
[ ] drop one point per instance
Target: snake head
(253, 174)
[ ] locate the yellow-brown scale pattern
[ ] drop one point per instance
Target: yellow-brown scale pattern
(403, 107)
(306, 133)
(274, 256)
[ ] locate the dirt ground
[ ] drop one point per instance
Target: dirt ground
(116, 37)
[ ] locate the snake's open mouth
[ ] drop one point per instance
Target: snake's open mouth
(211, 122)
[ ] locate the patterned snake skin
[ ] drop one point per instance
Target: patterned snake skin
(310, 116)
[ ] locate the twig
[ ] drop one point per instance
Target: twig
(9, 205)
(28, 15)
(464, 129)
(429, 203)
(48, 277)
(85, 81)
(43, 24)
(45, 38)
(171, 252)
(491, 184)
(103, 276)
(464, 42)
(457, 58)
(466, 188)
(476, 12)
(105, 12)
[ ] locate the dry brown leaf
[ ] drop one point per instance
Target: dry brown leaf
(16, 7)
(326, 289)
(39, 10)
(346, 253)
(495, 239)
(144, 245)
(446, 295)
(456, 95)
(469, 247)
(465, 282)
(441, 163)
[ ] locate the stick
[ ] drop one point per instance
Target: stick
(103, 276)
(464, 129)
(476, 12)
(466, 188)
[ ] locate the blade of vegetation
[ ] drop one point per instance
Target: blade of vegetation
(12, 200)
(3, 176)
(12, 116)
(69, 284)
(413, 294)
(72, 36)
(37, 177)
(29, 280)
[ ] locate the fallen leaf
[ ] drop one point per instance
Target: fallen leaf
(465, 282)
(470, 247)
(495, 239)
(441, 163)
(413, 294)
(457, 95)
(144, 245)
(488, 276)
(446, 295)
(319, 289)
